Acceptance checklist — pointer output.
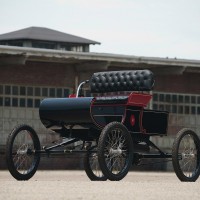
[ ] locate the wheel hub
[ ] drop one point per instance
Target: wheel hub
(188, 155)
(116, 152)
(22, 152)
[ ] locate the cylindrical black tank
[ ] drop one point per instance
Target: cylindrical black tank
(65, 111)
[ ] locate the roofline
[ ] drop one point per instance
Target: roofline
(43, 40)
(7, 37)
(59, 54)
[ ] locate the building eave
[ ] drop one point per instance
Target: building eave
(113, 60)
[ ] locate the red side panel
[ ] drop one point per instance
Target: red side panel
(139, 99)
(72, 96)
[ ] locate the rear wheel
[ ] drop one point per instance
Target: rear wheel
(115, 151)
(92, 168)
(22, 161)
(186, 155)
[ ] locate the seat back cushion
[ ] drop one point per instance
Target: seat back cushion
(114, 81)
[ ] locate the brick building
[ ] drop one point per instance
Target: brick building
(29, 74)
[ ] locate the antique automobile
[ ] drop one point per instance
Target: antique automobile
(112, 131)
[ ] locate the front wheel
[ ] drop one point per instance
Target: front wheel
(186, 155)
(22, 161)
(115, 151)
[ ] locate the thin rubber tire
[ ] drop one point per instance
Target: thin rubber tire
(186, 155)
(115, 151)
(21, 160)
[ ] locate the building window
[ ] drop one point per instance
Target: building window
(22, 102)
(198, 110)
(161, 97)
(155, 97)
(155, 106)
(1, 101)
(28, 96)
(180, 109)
(30, 103)
(37, 103)
(37, 91)
(15, 90)
(1, 89)
(7, 89)
(59, 92)
(168, 108)
(77, 48)
(14, 43)
(52, 92)
(187, 110)
(168, 98)
(187, 99)
(193, 99)
(7, 101)
(44, 92)
(198, 100)
(174, 98)
(177, 103)
(193, 110)
(65, 47)
(30, 91)
(43, 45)
(180, 98)
(174, 109)
(15, 102)
(22, 90)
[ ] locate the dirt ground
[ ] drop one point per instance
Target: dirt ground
(76, 185)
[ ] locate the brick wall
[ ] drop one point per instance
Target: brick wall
(186, 83)
(38, 74)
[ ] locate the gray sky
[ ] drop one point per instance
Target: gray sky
(158, 28)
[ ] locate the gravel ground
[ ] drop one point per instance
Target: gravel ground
(75, 185)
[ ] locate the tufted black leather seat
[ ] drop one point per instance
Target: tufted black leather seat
(113, 81)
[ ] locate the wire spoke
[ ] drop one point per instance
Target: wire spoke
(188, 150)
(116, 151)
(23, 161)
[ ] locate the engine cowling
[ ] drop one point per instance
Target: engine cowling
(65, 111)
